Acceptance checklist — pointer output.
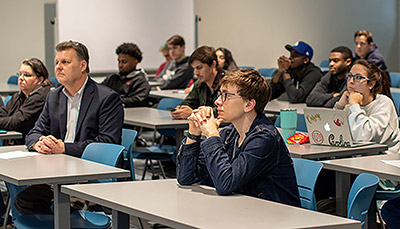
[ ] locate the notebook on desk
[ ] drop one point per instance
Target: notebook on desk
(329, 127)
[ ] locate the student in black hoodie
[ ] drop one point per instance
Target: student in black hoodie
(130, 83)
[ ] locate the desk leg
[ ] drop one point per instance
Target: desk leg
(342, 191)
(120, 220)
(61, 208)
(179, 137)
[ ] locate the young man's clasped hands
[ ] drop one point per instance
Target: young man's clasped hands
(202, 121)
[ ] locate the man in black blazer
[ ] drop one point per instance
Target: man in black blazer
(76, 114)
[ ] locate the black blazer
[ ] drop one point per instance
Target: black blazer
(101, 118)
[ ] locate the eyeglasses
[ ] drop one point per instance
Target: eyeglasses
(224, 95)
(356, 78)
(25, 75)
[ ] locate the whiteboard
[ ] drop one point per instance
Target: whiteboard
(102, 25)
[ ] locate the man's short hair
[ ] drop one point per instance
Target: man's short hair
(81, 51)
(365, 33)
(176, 40)
(130, 49)
(251, 85)
(204, 54)
(345, 51)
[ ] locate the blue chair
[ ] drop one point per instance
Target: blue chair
(307, 172)
(104, 153)
(324, 64)
(13, 80)
(159, 151)
(250, 67)
(55, 81)
(128, 138)
(396, 99)
(6, 99)
(360, 197)
(301, 123)
(394, 79)
(267, 72)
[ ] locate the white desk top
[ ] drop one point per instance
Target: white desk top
(153, 118)
(310, 151)
(275, 106)
(11, 135)
(6, 88)
(195, 206)
(53, 169)
(370, 164)
(178, 94)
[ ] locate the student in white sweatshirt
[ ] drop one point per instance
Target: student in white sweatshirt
(367, 101)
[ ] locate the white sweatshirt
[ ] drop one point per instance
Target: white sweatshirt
(376, 122)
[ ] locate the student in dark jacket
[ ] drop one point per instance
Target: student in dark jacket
(130, 83)
(247, 157)
(205, 89)
(177, 73)
(296, 75)
(24, 107)
(366, 49)
(328, 91)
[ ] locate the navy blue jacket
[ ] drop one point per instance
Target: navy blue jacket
(376, 57)
(101, 117)
(261, 167)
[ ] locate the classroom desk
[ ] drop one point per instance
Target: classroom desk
(11, 135)
(358, 165)
(178, 94)
(54, 169)
(195, 206)
(7, 89)
(275, 106)
(310, 151)
(155, 119)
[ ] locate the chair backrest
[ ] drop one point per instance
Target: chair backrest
(250, 67)
(307, 172)
(6, 99)
(55, 81)
(164, 103)
(396, 99)
(324, 64)
(360, 197)
(104, 153)
(267, 72)
(301, 123)
(13, 80)
(395, 79)
(128, 137)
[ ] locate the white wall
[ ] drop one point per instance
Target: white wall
(256, 31)
(22, 33)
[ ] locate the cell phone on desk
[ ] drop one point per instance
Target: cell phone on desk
(3, 131)
(171, 109)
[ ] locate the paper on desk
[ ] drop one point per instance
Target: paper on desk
(17, 154)
(392, 162)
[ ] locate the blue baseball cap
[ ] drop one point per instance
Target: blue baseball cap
(302, 48)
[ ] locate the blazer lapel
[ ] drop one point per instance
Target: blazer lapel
(63, 115)
(85, 104)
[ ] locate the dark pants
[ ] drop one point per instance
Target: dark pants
(36, 199)
(391, 213)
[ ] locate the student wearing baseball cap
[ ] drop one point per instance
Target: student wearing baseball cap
(296, 75)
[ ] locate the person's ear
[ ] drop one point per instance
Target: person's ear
(83, 65)
(306, 60)
(214, 64)
(250, 104)
(348, 62)
(41, 79)
(371, 85)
